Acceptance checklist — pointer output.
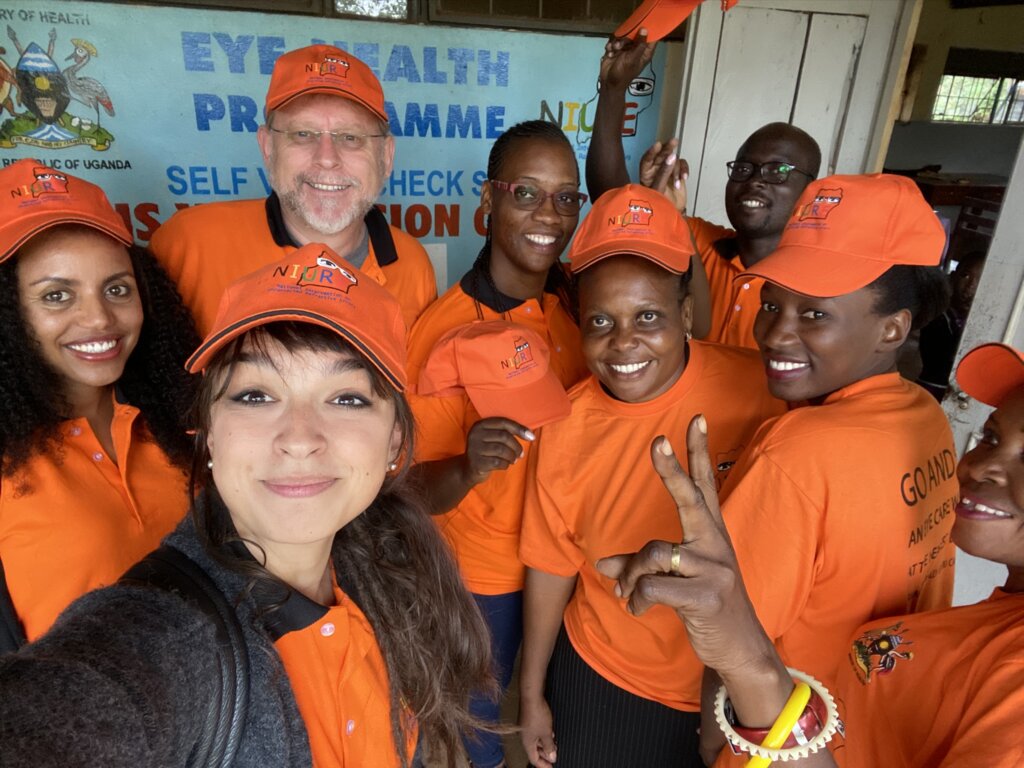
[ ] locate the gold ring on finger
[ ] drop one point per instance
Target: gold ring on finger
(676, 561)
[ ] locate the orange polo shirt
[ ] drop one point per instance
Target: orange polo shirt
(82, 521)
(207, 247)
(942, 689)
(734, 307)
(483, 530)
(340, 683)
(952, 696)
(841, 513)
(594, 493)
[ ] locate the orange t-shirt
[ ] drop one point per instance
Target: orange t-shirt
(483, 530)
(207, 247)
(340, 684)
(841, 513)
(734, 306)
(82, 521)
(594, 493)
(936, 690)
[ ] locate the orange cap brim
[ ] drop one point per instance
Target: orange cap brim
(991, 372)
(215, 342)
(341, 93)
(658, 17)
(815, 271)
(32, 224)
(534, 405)
(675, 262)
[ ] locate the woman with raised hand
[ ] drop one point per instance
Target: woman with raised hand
(925, 690)
(93, 438)
(469, 465)
(598, 688)
(359, 636)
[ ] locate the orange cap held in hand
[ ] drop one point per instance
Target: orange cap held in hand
(313, 285)
(990, 372)
(324, 69)
(34, 198)
(633, 221)
(660, 17)
(847, 231)
(503, 368)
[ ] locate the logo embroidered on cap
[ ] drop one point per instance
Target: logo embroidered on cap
(639, 213)
(332, 65)
(324, 274)
(824, 202)
(522, 358)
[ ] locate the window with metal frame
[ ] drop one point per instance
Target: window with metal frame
(985, 87)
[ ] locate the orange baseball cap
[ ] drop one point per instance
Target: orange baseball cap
(660, 17)
(313, 285)
(990, 372)
(324, 69)
(636, 221)
(847, 231)
(34, 198)
(503, 368)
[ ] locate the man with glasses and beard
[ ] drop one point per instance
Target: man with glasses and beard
(327, 150)
(771, 170)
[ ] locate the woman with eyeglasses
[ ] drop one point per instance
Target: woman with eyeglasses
(924, 690)
(353, 632)
(93, 442)
(472, 468)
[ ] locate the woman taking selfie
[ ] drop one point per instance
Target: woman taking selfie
(359, 635)
(942, 688)
(93, 436)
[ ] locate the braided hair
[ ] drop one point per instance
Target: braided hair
(558, 281)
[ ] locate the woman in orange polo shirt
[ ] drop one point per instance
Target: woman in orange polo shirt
(92, 440)
(471, 467)
(924, 690)
(608, 689)
(358, 635)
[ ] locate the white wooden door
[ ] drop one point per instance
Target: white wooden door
(821, 64)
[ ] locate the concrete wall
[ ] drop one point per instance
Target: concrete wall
(958, 148)
(997, 28)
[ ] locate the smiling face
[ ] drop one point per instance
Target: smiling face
(634, 320)
(324, 189)
(80, 302)
(524, 243)
(300, 444)
(755, 208)
(812, 347)
(990, 515)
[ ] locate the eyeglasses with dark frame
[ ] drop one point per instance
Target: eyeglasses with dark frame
(342, 140)
(771, 173)
(529, 197)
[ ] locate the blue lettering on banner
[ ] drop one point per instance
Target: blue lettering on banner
(419, 183)
(269, 48)
(206, 180)
(430, 72)
(401, 65)
(241, 110)
(235, 50)
(461, 57)
(462, 124)
(479, 177)
(195, 48)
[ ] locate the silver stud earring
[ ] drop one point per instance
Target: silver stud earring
(392, 466)
(209, 464)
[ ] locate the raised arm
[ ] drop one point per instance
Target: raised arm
(623, 60)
